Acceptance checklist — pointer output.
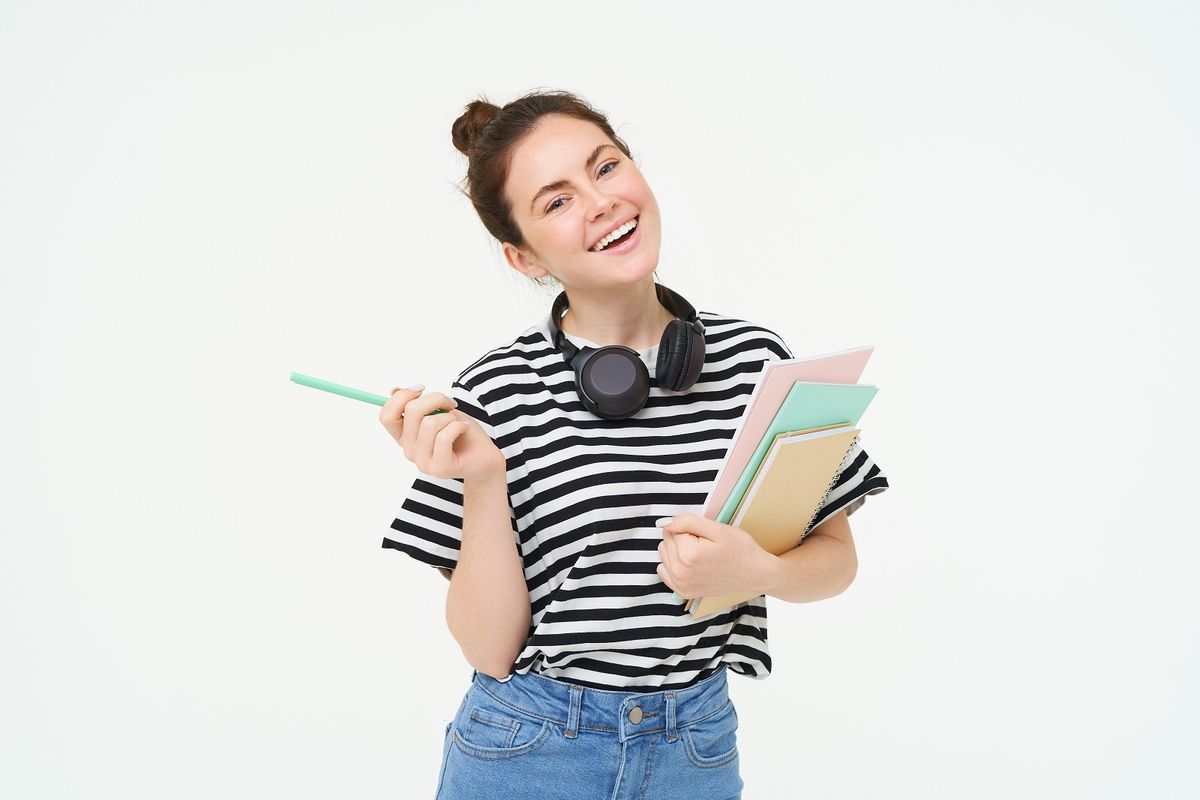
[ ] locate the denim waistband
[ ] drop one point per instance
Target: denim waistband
(575, 707)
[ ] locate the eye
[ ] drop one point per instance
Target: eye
(601, 172)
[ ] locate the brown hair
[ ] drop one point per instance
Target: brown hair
(487, 135)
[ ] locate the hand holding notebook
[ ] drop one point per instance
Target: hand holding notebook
(796, 432)
(700, 555)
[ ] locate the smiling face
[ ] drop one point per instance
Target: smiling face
(568, 186)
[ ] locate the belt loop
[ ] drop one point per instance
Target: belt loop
(672, 733)
(573, 713)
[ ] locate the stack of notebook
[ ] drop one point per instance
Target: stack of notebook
(794, 439)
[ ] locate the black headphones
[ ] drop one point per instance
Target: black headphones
(612, 381)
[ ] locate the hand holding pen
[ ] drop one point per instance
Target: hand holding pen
(440, 441)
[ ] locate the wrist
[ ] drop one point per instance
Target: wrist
(496, 474)
(770, 572)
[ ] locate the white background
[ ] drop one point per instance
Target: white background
(198, 199)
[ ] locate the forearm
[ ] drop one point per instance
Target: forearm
(487, 604)
(820, 567)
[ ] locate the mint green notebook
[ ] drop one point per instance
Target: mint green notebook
(807, 405)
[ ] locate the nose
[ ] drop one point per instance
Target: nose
(601, 203)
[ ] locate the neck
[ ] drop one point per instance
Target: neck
(635, 319)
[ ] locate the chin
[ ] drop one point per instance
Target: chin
(643, 267)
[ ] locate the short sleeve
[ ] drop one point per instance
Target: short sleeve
(860, 477)
(774, 348)
(428, 526)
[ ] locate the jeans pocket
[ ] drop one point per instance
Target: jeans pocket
(490, 730)
(712, 741)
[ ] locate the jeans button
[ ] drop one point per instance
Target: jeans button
(635, 715)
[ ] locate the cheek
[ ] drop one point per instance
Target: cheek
(640, 191)
(567, 237)
(649, 213)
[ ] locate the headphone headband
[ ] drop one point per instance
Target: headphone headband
(671, 300)
(612, 381)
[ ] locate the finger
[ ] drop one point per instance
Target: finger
(395, 403)
(669, 565)
(679, 541)
(428, 429)
(429, 401)
(671, 582)
(684, 548)
(393, 408)
(670, 547)
(698, 526)
(444, 461)
(418, 409)
(665, 576)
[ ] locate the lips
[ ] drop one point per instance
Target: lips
(636, 219)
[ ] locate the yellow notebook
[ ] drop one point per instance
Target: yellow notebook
(786, 494)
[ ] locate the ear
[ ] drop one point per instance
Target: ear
(520, 261)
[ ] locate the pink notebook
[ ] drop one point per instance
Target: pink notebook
(774, 383)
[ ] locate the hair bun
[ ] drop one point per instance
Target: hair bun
(466, 128)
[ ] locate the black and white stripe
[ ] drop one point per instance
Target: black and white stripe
(584, 493)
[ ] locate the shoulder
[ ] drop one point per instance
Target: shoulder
(495, 362)
(721, 328)
(484, 367)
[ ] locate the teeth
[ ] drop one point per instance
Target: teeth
(617, 234)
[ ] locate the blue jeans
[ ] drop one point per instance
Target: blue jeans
(537, 737)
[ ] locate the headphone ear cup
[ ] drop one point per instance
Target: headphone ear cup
(675, 357)
(613, 382)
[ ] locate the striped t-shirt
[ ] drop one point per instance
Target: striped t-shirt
(584, 493)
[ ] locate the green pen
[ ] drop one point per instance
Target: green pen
(346, 391)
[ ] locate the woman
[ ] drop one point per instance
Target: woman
(561, 492)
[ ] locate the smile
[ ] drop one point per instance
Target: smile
(622, 240)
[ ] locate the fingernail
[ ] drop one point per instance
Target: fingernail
(663, 522)
(416, 387)
(453, 402)
(675, 596)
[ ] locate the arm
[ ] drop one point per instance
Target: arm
(822, 566)
(487, 604)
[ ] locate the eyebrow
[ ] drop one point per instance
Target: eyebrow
(551, 187)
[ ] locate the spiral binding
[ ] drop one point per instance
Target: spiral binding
(845, 463)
